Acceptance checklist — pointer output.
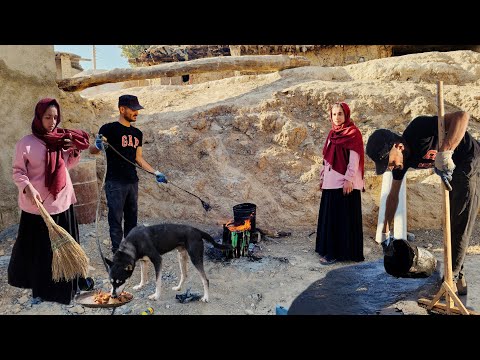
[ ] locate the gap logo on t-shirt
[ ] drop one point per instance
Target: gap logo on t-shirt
(129, 140)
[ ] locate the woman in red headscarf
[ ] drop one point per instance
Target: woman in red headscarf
(40, 170)
(339, 230)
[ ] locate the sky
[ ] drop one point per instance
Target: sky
(108, 56)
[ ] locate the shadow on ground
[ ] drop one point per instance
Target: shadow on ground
(363, 289)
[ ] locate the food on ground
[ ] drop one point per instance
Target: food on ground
(102, 297)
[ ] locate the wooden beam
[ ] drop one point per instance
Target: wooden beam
(442, 308)
(253, 63)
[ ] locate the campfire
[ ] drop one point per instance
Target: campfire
(239, 230)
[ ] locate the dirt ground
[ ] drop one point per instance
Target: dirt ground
(288, 265)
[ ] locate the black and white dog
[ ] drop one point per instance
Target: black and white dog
(151, 242)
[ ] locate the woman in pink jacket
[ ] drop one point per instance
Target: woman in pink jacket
(40, 170)
(339, 230)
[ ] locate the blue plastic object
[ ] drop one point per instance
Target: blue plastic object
(280, 310)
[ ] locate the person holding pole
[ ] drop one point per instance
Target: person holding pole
(457, 162)
(121, 184)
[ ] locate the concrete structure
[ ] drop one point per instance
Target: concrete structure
(68, 64)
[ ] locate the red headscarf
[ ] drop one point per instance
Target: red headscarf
(55, 178)
(342, 138)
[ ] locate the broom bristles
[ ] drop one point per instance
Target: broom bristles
(69, 260)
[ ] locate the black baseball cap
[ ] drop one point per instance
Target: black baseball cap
(378, 148)
(130, 101)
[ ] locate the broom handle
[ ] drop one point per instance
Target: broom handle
(447, 241)
(43, 212)
(45, 215)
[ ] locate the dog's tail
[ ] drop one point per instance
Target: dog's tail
(207, 237)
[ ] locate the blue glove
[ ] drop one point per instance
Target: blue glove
(160, 177)
(446, 177)
(99, 142)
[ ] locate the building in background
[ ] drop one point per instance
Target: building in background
(68, 64)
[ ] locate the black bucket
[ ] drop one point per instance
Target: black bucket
(402, 259)
(242, 212)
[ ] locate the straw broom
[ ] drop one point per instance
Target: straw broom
(69, 260)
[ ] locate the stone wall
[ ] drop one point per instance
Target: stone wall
(30, 60)
(348, 54)
(319, 55)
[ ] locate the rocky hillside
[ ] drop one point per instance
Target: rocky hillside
(258, 138)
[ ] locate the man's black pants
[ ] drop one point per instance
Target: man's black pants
(464, 206)
(122, 201)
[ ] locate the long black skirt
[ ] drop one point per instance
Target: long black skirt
(339, 229)
(30, 265)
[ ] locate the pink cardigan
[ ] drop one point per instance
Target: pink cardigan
(334, 180)
(29, 168)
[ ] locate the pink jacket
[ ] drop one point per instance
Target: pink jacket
(334, 180)
(29, 168)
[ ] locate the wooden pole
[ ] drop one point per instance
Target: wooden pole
(447, 239)
(446, 289)
(250, 63)
(447, 253)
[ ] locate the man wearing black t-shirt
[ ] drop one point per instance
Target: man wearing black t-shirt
(457, 162)
(121, 183)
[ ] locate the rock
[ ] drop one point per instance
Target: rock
(409, 307)
(16, 309)
(249, 312)
(106, 242)
(2, 252)
(77, 309)
(4, 260)
(23, 299)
